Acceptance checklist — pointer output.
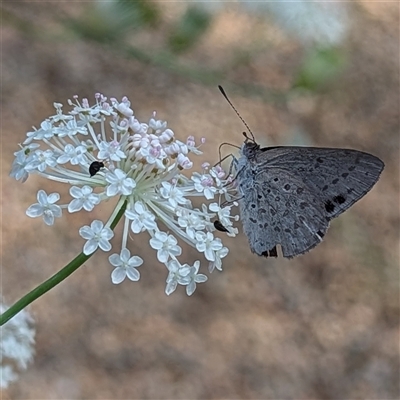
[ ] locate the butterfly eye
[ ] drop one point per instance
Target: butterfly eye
(95, 167)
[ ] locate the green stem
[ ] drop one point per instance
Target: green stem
(54, 280)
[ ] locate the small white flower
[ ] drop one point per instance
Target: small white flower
(193, 278)
(177, 274)
(141, 218)
(173, 194)
(157, 126)
(217, 263)
(41, 160)
(140, 141)
(191, 222)
(110, 151)
(125, 266)
(96, 236)
(74, 155)
(45, 207)
(71, 128)
(166, 136)
(184, 161)
(207, 244)
(23, 158)
(218, 174)
(152, 155)
(123, 107)
(166, 246)
(46, 131)
(204, 183)
(119, 183)
(83, 198)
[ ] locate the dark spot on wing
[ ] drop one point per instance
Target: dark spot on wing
(339, 199)
(329, 206)
(345, 175)
(270, 253)
(335, 181)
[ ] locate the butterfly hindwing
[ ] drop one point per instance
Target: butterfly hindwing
(274, 214)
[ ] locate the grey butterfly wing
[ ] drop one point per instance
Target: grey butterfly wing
(274, 214)
(339, 177)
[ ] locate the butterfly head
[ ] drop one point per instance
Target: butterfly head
(249, 147)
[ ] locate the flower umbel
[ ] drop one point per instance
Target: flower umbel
(103, 151)
(16, 346)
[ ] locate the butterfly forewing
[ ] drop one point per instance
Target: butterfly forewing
(339, 177)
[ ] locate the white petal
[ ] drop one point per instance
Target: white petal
(75, 205)
(42, 197)
(53, 197)
(115, 260)
(105, 245)
(200, 278)
(97, 226)
(125, 255)
(86, 232)
(48, 218)
(135, 261)
(118, 275)
(162, 255)
(133, 274)
(35, 210)
(90, 246)
(190, 288)
(170, 288)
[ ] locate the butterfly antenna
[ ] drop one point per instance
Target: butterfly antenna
(221, 89)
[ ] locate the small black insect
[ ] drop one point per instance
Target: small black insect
(95, 167)
(219, 227)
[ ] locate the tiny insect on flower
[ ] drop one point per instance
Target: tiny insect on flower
(95, 167)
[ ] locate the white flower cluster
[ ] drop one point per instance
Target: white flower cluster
(16, 345)
(103, 151)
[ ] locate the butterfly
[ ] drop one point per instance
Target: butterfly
(289, 195)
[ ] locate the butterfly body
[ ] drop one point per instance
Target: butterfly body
(290, 194)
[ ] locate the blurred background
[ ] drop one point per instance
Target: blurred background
(323, 325)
